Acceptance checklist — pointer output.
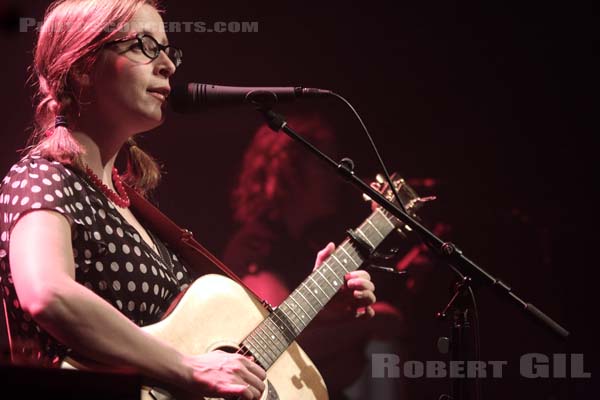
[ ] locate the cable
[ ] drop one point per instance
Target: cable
(385, 171)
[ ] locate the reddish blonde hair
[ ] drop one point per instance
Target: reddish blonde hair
(273, 163)
(67, 46)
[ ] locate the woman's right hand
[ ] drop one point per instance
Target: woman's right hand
(223, 374)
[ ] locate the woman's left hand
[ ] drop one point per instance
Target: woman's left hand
(357, 295)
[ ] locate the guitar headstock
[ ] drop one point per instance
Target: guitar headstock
(408, 196)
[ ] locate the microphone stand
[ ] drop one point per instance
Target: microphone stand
(447, 251)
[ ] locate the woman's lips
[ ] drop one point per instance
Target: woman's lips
(158, 96)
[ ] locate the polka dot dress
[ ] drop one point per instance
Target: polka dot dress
(110, 257)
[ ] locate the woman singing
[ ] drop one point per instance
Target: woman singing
(79, 273)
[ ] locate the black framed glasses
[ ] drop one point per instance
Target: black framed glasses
(151, 48)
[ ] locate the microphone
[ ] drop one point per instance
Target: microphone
(195, 97)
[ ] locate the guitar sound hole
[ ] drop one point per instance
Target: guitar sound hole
(228, 349)
(271, 392)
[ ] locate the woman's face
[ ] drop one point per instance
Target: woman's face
(125, 83)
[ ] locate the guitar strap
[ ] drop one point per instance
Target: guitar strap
(182, 241)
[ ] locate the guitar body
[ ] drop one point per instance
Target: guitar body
(217, 313)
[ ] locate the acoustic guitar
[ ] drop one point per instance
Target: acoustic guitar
(217, 313)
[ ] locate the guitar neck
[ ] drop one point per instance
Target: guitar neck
(274, 335)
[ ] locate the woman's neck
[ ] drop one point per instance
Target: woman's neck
(98, 156)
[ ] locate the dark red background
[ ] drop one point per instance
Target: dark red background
(492, 101)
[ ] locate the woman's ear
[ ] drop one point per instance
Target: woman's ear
(81, 79)
(80, 76)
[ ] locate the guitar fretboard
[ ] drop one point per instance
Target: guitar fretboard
(274, 335)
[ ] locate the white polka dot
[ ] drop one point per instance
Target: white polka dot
(114, 266)
(77, 186)
(119, 231)
(120, 304)
(34, 176)
(143, 307)
(126, 249)
(97, 236)
(23, 183)
(154, 271)
(102, 285)
(71, 192)
(36, 205)
(145, 287)
(48, 197)
(36, 189)
(87, 253)
(79, 205)
(131, 286)
(99, 266)
(108, 229)
(143, 268)
(151, 308)
(116, 285)
(156, 289)
(112, 248)
(15, 200)
(87, 200)
(102, 213)
(129, 267)
(179, 275)
(58, 193)
(162, 274)
(47, 181)
(137, 237)
(43, 167)
(4, 236)
(16, 184)
(130, 305)
(137, 251)
(66, 191)
(88, 220)
(24, 200)
(56, 177)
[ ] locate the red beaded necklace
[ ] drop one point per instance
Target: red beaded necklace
(120, 197)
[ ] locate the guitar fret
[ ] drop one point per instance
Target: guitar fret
(289, 317)
(359, 230)
(340, 263)
(256, 353)
(298, 304)
(285, 327)
(349, 256)
(266, 341)
(282, 330)
(275, 336)
(308, 302)
(376, 230)
(382, 225)
(267, 352)
(289, 307)
(314, 292)
(386, 218)
(335, 282)
(326, 280)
